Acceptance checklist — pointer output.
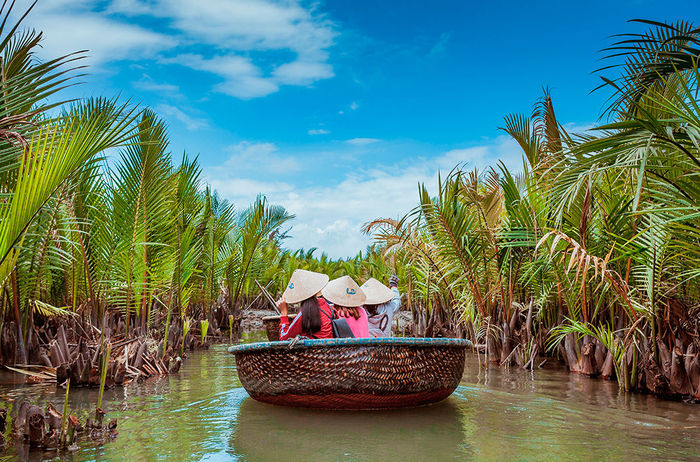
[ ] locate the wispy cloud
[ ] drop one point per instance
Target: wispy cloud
(234, 29)
(68, 28)
(241, 78)
(319, 131)
(147, 84)
(262, 158)
(254, 46)
(192, 123)
(243, 191)
(362, 141)
(441, 45)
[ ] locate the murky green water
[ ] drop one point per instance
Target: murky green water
(204, 414)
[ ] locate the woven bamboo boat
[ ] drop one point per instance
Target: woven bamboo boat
(351, 373)
(272, 326)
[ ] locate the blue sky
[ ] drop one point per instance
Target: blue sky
(338, 109)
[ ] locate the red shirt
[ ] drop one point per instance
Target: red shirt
(288, 331)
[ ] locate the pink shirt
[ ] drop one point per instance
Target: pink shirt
(359, 326)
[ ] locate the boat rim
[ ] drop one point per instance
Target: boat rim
(310, 343)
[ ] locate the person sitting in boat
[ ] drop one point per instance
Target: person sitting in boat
(382, 304)
(347, 299)
(314, 318)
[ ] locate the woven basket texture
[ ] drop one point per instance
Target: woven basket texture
(272, 326)
(379, 373)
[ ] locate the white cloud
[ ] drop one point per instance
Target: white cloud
(260, 157)
(233, 28)
(107, 40)
(354, 106)
(242, 78)
(319, 131)
(248, 24)
(329, 214)
(482, 157)
(147, 84)
(254, 46)
(362, 141)
(441, 45)
(243, 191)
(192, 123)
(302, 72)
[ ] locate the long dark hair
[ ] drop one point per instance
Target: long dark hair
(310, 315)
(349, 311)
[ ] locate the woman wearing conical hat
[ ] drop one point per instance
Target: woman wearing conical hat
(382, 304)
(314, 319)
(347, 299)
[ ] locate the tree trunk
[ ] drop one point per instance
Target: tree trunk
(53, 418)
(692, 366)
(608, 369)
(21, 352)
(570, 350)
(505, 343)
(588, 364)
(665, 357)
(679, 379)
(601, 354)
(491, 349)
(34, 426)
(528, 321)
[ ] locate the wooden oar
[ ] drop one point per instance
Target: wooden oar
(267, 296)
(258, 296)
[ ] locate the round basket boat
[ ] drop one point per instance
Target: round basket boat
(351, 373)
(272, 326)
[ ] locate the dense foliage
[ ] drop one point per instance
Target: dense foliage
(81, 234)
(592, 249)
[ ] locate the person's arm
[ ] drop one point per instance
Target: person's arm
(394, 304)
(288, 331)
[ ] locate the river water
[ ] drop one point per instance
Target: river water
(496, 414)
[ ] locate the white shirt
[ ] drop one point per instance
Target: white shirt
(380, 323)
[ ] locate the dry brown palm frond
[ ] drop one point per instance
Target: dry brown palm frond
(400, 235)
(391, 233)
(492, 200)
(585, 216)
(585, 262)
(486, 195)
(380, 223)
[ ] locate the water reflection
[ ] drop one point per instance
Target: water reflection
(266, 432)
(551, 414)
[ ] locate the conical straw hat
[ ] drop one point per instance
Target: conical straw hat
(344, 291)
(376, 292)
(304, 284)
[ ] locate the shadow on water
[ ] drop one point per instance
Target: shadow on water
(266, 432)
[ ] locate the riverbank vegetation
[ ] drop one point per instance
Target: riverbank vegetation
(589, 253)
(99, 248)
